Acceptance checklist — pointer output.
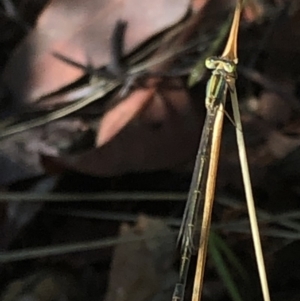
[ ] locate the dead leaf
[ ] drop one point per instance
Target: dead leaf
(20, 154)
(143, 270)
(144, 144)
(114, 120)
(44, 285)
(166, 122)
(82, 31)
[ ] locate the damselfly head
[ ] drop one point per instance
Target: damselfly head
(220, 63)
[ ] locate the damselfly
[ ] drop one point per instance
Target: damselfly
(204, 176)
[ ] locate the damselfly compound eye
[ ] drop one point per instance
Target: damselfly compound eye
(229, 67)
(210, 63)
